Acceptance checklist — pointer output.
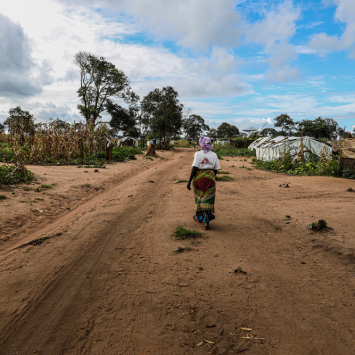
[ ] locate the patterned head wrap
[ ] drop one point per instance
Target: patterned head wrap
(205, 143)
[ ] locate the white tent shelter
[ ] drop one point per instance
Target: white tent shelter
(127, 141)
(270, 149)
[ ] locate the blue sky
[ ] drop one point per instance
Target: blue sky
(243, 62)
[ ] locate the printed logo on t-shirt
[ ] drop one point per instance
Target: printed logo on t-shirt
(206, 162)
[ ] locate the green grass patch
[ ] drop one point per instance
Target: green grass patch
(223, 172)
(180, 181)
(224, 178)
(3, 197)
(182, 233)
(44, 186)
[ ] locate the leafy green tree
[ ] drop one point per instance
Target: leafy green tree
(60, 124)
(122, 119)
(317, 128)
(164, 112)
(212, 133)
(336, 130)
(20, 120)
(226, 130)
(270, 132)
(1, 126)
(286, 123)
(100, 81)
(194, 126)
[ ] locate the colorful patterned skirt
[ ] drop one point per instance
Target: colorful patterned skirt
(204, 186)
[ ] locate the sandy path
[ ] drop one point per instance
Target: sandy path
(113, 283)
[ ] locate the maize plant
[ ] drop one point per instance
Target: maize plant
(46, 143)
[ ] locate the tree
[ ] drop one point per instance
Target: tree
(194, 126)
(99, 82)
(269, 132)
(336, 131)
(122, 119)
(19, 119)
(212, 133)
(60, 124)
(226, 130)
(286, 123)
(142, 121)
(317, 128)
(164, 112)
(1, 126)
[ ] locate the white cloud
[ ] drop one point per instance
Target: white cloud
(195, 24)
(284, 75)
(274, 32)
(324, 43)
(62, 33)
(270, 121)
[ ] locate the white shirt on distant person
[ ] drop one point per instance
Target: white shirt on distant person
(207, 160)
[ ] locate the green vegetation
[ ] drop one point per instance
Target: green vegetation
(182, 233)
(11, 174)
(234, 152)
(311, 167)
(320, 225)
(223, 172)
(223, 178)
(44, 186)
(180, 181)
(3, 197)
(125, 153)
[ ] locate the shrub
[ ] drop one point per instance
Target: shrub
(310, 167)
(11, 174)
(234, 152)
(223, 178)
(120, 154)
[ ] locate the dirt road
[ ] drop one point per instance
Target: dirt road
(112, 282)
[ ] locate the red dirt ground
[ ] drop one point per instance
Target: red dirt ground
(110, 280)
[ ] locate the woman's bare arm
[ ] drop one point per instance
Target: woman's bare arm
(193, 173)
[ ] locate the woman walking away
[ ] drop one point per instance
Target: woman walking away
(203, 175)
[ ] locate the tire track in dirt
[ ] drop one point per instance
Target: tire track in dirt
(131, 293)
(64, 205)
(48, 317)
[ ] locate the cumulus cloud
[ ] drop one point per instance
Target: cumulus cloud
(323, 43)
(274, 32)
(20, 75)
(270, 121)
(195, 24)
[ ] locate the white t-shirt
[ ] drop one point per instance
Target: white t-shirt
(172, 142)
(207, 160)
